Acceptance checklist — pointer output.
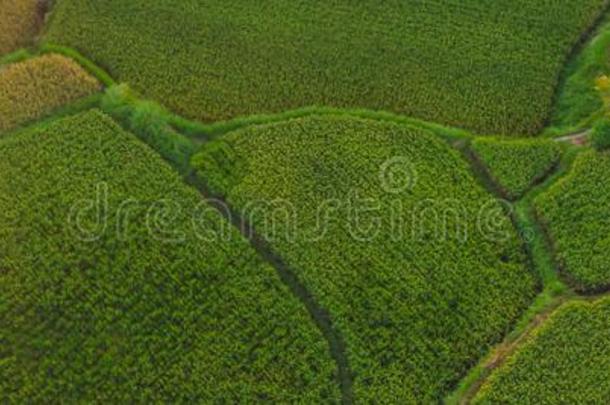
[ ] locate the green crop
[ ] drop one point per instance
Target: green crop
(119, 284)
(575, 211)
(566, 361)
(600, 137)
(583, 95)
(417, 265)
(149, 122)
(19, 22)
(36, 87)
(517, 165)
(489, 66)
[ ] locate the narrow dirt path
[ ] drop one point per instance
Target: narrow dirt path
(506, 349)
(579, 138)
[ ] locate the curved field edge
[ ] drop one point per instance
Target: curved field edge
(146, 122)
(34, 88)
(579, 101)
(136, 304)
(542, 257)
(201, 132)
(557, 344)
(574, 214)
(516, 166)
(288, 276)
(151, 125)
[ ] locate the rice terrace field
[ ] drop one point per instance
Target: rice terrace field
(313, 202)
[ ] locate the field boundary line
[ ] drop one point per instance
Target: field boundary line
(468, 385)
(319, 315)
(83, 104)
(530, 214)
(581, 44)
(512, 344)
(91, 67)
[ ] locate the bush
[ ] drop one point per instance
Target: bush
(112, 294)
(371, 216)
(600, 138)
(150, 123)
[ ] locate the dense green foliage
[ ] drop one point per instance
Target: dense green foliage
(352, 206)
(575, 211)
(566, 361)
(600, 137)
(130, 301)
(580, 99)
(487, 66)
(517, 165)
(150, 123)
(36, 87)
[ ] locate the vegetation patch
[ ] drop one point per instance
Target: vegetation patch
(517, 165)
(119, 284)
(567, 360)
(417, 265)
(584, 94)
(489, 67)
(20, 21)
(36, 87)
(575, 211)
(151, 124)
(600, 136)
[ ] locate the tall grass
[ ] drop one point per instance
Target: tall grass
(580, 102)
(150, 123)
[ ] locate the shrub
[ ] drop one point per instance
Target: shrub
(150, 123)
(241, 58)
(371, 217)
(36, 87)
(111, 293)
(600, 137)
